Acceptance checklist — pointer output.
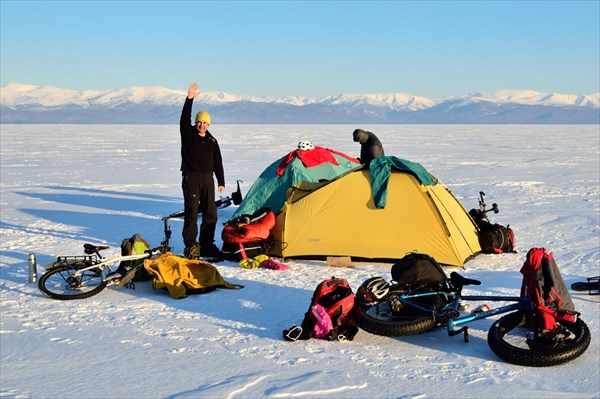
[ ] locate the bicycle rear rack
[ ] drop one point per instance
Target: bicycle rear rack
(68, 260)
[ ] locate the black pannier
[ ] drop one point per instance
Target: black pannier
(417, 272)
(244, 250)
(495, 238)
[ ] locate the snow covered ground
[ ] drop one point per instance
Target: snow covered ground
(64, 185)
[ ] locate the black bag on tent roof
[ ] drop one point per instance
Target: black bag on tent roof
(417, 272)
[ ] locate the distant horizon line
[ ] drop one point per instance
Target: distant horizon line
(595, 93)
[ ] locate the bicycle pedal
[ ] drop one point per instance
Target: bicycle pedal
(126, 280)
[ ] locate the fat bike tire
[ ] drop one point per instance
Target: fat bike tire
(507, 339)
(380, 320)
(61, 283)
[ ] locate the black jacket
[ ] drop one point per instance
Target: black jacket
(198, 154)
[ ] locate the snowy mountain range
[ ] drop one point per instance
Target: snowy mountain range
(23, 103)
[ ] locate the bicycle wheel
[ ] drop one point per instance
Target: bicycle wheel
(384, 318)
(508, 339)
(62, 283)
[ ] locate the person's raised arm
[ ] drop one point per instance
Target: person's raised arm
(193, 91)
(186, 112)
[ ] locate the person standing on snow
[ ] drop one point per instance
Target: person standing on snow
(370, 146)
(200, 159)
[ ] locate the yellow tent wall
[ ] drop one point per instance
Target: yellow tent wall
(339, 218)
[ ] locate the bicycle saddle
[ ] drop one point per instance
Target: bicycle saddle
(459, 281)
(91, 249)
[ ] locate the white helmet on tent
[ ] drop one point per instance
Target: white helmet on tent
(305, 146)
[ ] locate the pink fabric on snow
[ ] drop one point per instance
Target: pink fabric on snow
(273, 265)
(323, 325)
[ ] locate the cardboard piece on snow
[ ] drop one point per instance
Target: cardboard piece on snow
(340, 261)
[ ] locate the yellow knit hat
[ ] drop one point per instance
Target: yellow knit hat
(203, 116)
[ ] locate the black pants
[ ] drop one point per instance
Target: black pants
(199, 196)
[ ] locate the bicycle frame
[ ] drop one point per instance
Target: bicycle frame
(450, 315)
(521, 303)
(104, 265)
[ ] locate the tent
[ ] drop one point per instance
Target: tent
(319, 164)
(383, 212)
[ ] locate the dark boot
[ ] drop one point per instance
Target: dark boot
(208, 249)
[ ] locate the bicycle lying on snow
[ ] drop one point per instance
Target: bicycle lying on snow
(389, 309)
(78, 277)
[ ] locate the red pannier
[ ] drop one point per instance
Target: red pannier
(246, 236)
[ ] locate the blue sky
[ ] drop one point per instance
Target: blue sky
(304, 48)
